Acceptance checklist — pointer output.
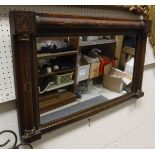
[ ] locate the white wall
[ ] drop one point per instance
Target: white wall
(130, 125)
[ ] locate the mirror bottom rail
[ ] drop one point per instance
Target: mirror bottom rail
(84, 113)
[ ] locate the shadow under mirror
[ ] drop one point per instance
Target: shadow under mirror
(75, 73)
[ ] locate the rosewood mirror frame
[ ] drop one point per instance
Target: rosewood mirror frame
(26, 26)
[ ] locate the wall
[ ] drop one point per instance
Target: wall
(130, 125)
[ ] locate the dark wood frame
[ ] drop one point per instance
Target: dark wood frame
(26, 26)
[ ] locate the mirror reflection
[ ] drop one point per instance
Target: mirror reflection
(76, 73)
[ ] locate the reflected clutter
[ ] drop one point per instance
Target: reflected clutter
(80, 72)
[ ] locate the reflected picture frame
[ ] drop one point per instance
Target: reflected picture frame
(152, 18)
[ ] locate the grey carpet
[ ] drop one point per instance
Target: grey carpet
(72, 109)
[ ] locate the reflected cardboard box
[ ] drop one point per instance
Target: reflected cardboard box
(94, 70)
(116, 80)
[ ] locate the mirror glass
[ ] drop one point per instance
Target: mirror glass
(75, 73)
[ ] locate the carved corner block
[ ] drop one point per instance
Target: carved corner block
(31, 135)
(24, 22)
(139, 94)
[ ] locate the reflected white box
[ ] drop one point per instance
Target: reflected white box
(83, 72)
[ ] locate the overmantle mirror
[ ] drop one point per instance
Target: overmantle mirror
(68, 68)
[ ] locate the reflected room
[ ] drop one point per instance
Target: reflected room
(79, 72)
